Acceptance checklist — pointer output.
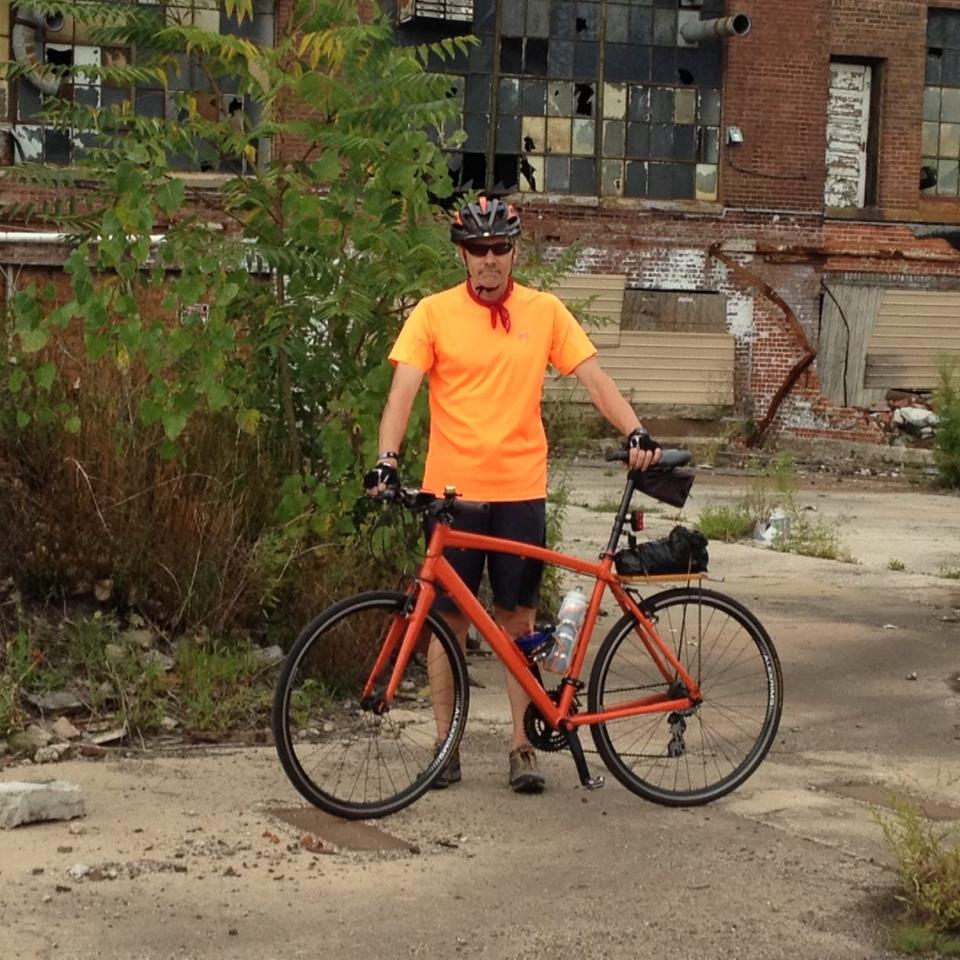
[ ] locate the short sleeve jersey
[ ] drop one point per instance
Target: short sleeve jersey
(486, 385)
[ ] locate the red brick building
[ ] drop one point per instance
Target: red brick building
(763, 198)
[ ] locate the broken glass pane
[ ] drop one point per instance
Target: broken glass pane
(706, 181)
(511, 54)
(583, 99)
(934, 59)
(534, 134)
(611, 178)
(28, 99)
(614, 101)
(531, 174)
(559, 99)
(505, 172)
(583, 138)
(558, 135)
(587, 23)
(535, 57)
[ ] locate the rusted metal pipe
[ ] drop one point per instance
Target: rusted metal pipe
(809, 354)
(694, 31)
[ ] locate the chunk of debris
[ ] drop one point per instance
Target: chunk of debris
(64, 729)
(56, 701)
(23, 802)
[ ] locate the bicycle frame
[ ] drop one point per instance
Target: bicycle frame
(436, 571)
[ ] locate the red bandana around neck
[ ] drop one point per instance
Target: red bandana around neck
(497, 308)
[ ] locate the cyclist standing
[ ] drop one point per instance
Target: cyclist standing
(484, 346)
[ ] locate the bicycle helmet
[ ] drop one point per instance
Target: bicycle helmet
(485, 218)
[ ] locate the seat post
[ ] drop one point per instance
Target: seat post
(621, 517)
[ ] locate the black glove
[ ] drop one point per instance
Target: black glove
(382, 473)
(639, 439)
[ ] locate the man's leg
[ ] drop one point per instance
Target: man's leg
(516, 622)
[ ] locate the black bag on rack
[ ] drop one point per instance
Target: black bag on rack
(683, 551)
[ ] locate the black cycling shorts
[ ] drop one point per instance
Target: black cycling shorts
(515, 581)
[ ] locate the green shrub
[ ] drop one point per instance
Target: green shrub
(946, 452)
(812, 538)
(725, 522)
(928, 865)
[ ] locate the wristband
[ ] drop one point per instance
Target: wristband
(388, 455)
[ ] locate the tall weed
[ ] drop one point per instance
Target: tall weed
(946, 453)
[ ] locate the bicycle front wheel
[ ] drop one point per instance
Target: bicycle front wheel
(690, 757)
(340, 750)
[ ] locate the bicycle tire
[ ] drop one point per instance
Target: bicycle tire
(722, 741)
(343, 757)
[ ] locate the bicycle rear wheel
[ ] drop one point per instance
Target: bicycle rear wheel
(695, 756)
(338, 751)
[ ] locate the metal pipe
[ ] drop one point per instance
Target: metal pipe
(694, 31)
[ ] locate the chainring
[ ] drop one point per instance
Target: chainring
(540, 734)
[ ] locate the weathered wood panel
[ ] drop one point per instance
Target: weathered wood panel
(842, 348)
(674, 311)
(848, 124)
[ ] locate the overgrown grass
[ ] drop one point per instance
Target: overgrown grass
(896, 565)
(723, 522)
(133, 676)
(928, 868)
(950, 573)
(774, 487)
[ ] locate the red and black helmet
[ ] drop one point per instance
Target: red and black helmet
(486, 218)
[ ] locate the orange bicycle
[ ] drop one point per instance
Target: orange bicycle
(683, 700)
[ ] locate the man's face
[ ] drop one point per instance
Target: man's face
(489, 262)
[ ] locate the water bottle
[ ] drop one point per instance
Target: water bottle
(535, 644)
(569, 620)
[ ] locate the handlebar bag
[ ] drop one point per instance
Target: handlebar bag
(672, 486)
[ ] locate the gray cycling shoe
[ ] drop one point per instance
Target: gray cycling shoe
(450, 773)
(525, 775)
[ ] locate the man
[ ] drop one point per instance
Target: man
(485, 345)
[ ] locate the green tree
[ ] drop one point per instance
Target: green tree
(332, 177)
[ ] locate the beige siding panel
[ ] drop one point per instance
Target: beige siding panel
(913, 328)
(665, 369)
(598, 299)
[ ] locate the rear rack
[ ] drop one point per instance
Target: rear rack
(661, 577)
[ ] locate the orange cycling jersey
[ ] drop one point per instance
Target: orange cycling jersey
(486, 384)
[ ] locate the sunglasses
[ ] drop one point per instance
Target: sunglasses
(500, 249)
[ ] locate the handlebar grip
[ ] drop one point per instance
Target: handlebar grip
(668, 458)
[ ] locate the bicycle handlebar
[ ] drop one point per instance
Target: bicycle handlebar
(668, 459)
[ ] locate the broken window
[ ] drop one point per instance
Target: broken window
(591, 97)
(940, 139)
(61, 40)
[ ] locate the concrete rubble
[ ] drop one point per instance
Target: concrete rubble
(23, 802)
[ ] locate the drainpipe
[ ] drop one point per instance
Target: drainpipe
(26, 43)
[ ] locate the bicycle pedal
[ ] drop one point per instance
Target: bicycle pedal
(596, 783)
